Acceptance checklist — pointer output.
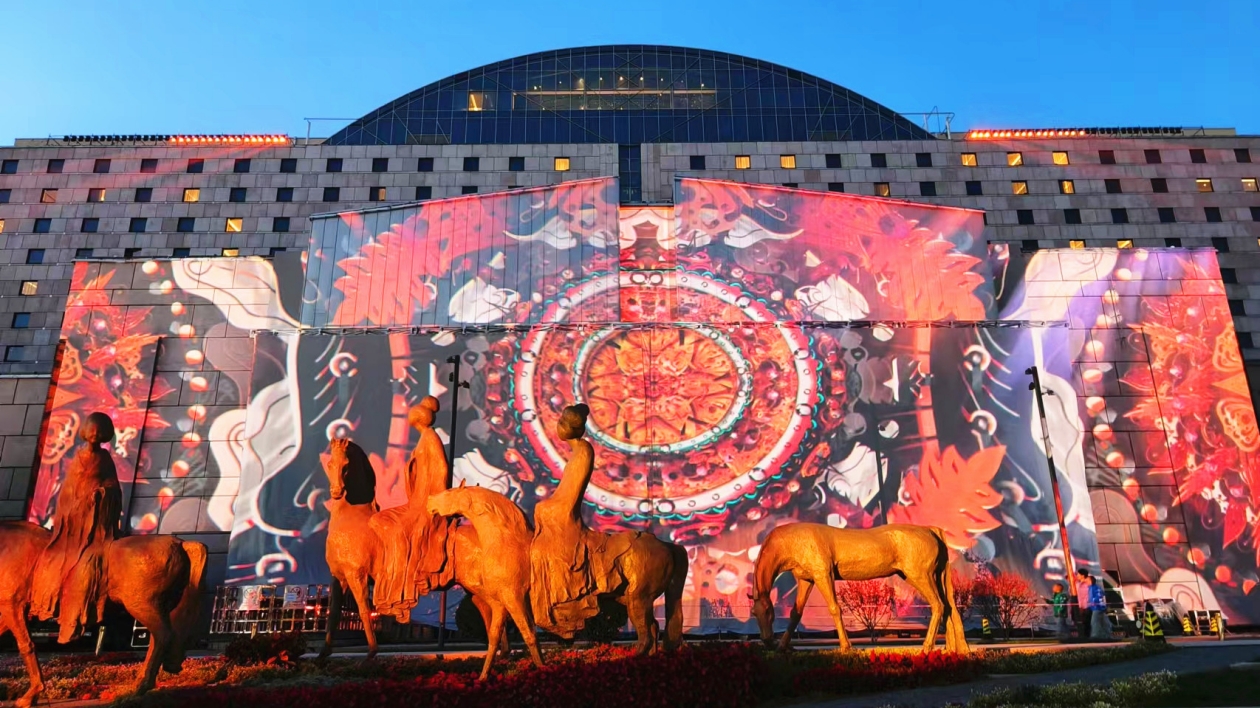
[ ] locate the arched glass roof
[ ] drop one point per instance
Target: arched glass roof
(628, 94)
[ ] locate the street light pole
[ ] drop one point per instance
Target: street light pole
(450, 465)
(1035, 387)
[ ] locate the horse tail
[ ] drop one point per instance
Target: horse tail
(955, 639)
(187, 613)
(673, 596)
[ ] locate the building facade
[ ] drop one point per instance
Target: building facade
(646, 116)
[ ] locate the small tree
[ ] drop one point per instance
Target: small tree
(873, 603)
(1007, 600)
(964, 593)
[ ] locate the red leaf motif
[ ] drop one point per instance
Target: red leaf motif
(1235, 522)
(952, 493)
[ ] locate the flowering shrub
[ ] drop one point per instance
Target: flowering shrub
(873, 603)
(1007, 600)
(964, 593)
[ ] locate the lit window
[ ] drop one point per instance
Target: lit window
(1124, 243)
(480, 101)
(231, 252)
(376, 194)
(1019, 188)
(1249, 184)
(787, 162)
(48, 196)
(30, 287)
(1067, 186)
(743, 162)
(969, 159)
(192, 195)
(562, 164)
(96, 195)
(1059, 158)
(235, 226)
(1, 226)
(1204, 185)
(1076, 244)
(882, 190)
(1014, 159)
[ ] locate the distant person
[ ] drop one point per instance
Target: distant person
(1083, 613)
(1059, 602)
(1100, 626)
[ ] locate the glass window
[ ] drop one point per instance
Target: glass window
(879, 159)
(138, 225)
(280, 224)
(1067, 186)
(1167, 215)
(14, 353)
(192, 194)
(1113, 186)
(8, 167)
(1059, 158)
(130, 253)
(1124, 243)
(1236, 308)
(974, 189)
(1014, 159)
(923, 159)
(516, 164)
(696, 162)
(424, 192)
(90, 225)
(882, 189)
(927, 189)
(1107, 157)
(1249, 184)
(48, 196)
(43, 226)
(30, 287)
(5, 194)
(969, 159)
(1119, 216)
(1152, 157)
(332, 164)
(1159, 184)
(1229, 276)
(1255, 216)
(234, 225)
(231, 252)
(835, 186)
(21, 320)
(284, 194)
(787, 162)
(332, 194)
(380, 164)
(425, 164)
(376, 194)
(55, 167)
(35, 256)
(833, 161)
(241, 166)
(237, 194)
(1203, 184)
(1024, 217)
(1213, 214)
(743, 162)
(1071, 216)
(1221, 244)
(562, 164)
(144, 194)
(1198, 157)
(468, 189)
(485, 100)
(472, 164)
(1, 226)
(148, 166)
(96, 195)
(186, 224)
(791, 185)
(288, 164)
(101, 167)
(1076, 244)
(196, 166)
(1019, 187)
(1242, 155)
(182, 252)
(1172, 243)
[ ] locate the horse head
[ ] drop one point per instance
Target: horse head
(763, 610)
(350, 473)
(335, 466)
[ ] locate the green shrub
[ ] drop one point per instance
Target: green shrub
(1037, 662)
(1134, 692)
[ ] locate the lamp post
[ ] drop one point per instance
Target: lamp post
(1035, 387)
(457, 384)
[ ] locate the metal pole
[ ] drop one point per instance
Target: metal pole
(450, 465)
(879, 463)
(1035, 386)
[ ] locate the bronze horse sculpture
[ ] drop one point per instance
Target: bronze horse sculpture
(352, 547)
(817, 554)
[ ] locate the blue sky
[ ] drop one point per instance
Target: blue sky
(126, 66)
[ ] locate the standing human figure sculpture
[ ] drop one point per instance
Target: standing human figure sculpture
(571, 566)
(413, 558)
(70, 571)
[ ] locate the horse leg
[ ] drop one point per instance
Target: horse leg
(673, 600)
(494, 632)
(149, 612)
(13, 619)
(642, 619)
(358, 587)
(925, 586)
(519, 610)
(335, 592)
(803, 588)
(828, 590)
(487, 616)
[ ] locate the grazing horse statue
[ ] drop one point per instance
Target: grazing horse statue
(817, 554)
(491, 557)
(572, 565)
(352, 548)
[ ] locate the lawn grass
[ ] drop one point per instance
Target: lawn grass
(1223, 688)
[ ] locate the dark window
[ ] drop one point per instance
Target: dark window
(985, 218)
(1229, 276)
(148, 166)
(1255, 213)
(13, 353)
(974, 189)
(284, 194)
(241, 166)
(8, 167)
(1198, 157)
(835, 186)
(83, 252)
(472, 164)
(43, 226)
(1028, 245)
(1159, 185)
(237, 194)
(1071, 216)
(424, 164)
(138, 225)
(21, 320)
(516, 164)
(1119, 216)
(196, 166)
(181, 253)
(276, 250)
(4, 195)
(1172, 243)
(423, 193)
(1107, 157)
(1167, 215)
(288, 164)
(1221, 244)
(1242, 155)
(332, 164)
(35, 256)
(280, 224)
(697, 162)
(131, 252)
(1152, 157)
(186, 224)
(144, 194)
(1213, 214)
(55, 167)
(923, 159)
(1236, 308)
(927, 189)
(376, 194)
(1024, 217)
(332, 194)
(101, 167)
(1113, 186)
(380, 164)
(468, 189)
(1244, 340)
(791, 185)
(879, 159)
(90, 225)
(833, 161)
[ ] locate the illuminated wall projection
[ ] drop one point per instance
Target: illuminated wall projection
(752, 356)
